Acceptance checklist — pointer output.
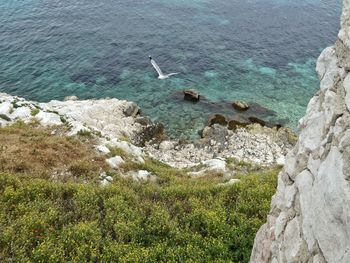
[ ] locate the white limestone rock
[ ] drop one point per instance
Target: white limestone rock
(21, 113)
(127, 147)
(48, 118)
(294, 246)
(216, 165)
(5, 108)
(143, 176)
(281, 160)
(103, 149)
(115, 162)
(105, 180)
(105, 115)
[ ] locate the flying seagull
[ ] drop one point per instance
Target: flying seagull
(159, 71)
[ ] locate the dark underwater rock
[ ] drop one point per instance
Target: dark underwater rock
(191, 95)
(240, 105)
(217, 119)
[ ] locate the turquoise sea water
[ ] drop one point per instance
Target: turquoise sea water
(260, 51)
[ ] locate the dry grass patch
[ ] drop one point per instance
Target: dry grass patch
(35, 151)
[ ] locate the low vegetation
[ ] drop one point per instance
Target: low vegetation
(174, 219)
(5, 117)
(34, 112)
(36, 152)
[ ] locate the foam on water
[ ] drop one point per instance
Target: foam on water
(261, 51)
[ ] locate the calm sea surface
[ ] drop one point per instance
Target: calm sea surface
(261, 51)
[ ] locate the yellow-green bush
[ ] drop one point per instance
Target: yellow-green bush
(180, 220)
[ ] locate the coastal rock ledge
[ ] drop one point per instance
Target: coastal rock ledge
(309, 219)
(116, 123)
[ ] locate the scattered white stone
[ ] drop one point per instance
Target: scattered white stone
(229, 183)
(103, 149)
(115, 162)
(106, 181)
(136, 152)
(76, 127)
(142, 175)
(216, 165)
(5, 107)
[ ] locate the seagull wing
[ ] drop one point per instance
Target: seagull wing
(171, 74)
(156, 67)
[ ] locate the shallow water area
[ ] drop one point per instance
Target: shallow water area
(259, 51)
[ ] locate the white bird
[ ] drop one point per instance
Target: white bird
(159, 71)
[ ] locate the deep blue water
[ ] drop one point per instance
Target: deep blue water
(261, 51)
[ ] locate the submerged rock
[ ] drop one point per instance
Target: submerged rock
(191, 95)
(240, 105)
(217, 119)
(257, 120)
(234, 124)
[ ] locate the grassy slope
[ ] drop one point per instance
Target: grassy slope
(176, 219)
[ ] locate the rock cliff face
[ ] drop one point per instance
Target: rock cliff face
(310, 213)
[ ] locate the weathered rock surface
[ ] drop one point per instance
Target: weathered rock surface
(111, 118)
(310, 213)
(254, 144)
(117, 124)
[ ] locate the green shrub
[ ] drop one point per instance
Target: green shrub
(34, 112)
(183, 220)
(84, 133)
(5, 117)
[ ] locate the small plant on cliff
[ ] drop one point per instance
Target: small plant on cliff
(84, 133)
(5, 117)
(34, 112)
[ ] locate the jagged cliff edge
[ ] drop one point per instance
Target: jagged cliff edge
(309, 219)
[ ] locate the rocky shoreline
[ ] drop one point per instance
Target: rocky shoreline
(118, 123)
